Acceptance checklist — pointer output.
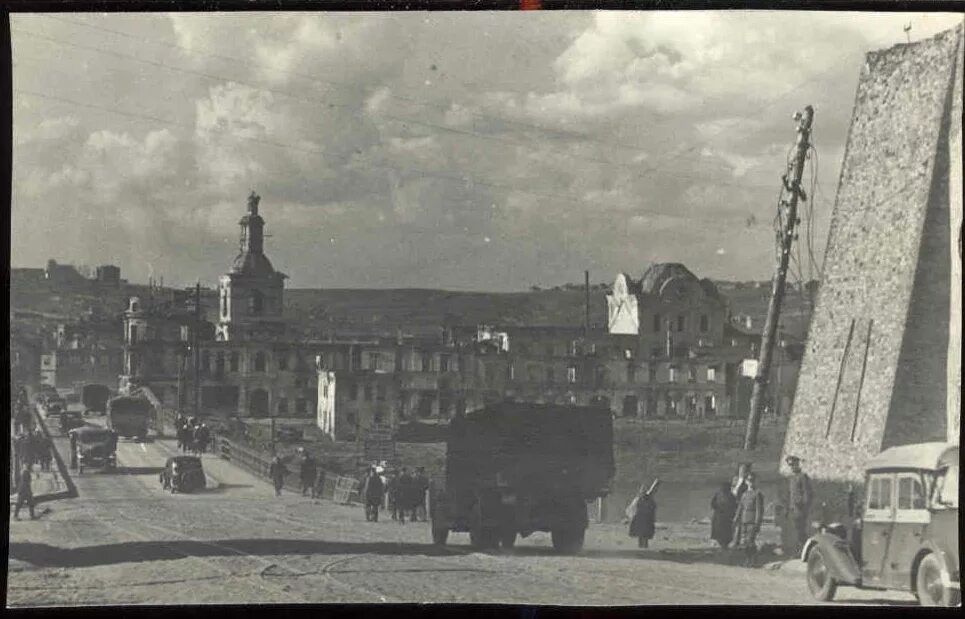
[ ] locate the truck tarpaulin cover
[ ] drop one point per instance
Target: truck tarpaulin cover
(533, 445)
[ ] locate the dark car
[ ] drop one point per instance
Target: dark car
(182, 474)
(93, 446)
(907, 536)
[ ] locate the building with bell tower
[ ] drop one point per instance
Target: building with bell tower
(251, 294)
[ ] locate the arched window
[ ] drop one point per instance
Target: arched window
(256, 302)
(260, 362)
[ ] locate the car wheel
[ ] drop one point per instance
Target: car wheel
(821, 583)
(439, 536)
(568, 541)
(929, 587)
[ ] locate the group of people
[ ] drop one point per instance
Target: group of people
(403, 494)
(738, 511)
(311, 478)
(193, 435)
(32, 448)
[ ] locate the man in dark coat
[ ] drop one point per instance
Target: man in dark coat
(372, 490)
(643, 519)
(307, 475)
(724, 505)
(403, 493)
(420, 490)
(749, 518)
(277, 472)
(799, 502)
(738, 486)
(25, 495)
(392, 494)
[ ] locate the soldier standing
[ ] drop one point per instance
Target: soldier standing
(25, 495)
(749, 518)
(799, 502)
(277, 472)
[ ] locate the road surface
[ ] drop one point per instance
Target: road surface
(125, 541)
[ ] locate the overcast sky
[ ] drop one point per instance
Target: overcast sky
(482, 151)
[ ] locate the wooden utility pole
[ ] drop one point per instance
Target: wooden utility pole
(195, 341)
(786, 238)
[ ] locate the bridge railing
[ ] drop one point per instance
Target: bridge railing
(338, 488)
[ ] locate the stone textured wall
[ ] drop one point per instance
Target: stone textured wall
(874, 373)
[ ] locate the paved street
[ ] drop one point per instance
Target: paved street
(124, 540)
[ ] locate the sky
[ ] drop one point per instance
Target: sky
(465, 151)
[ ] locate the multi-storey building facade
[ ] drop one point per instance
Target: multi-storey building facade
(668, 351)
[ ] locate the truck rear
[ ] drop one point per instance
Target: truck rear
(129, 416)
(515, 468)
(95, 397)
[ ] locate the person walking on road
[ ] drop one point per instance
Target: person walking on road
(201, 437)
(372, 491)
(799, 500)
(749, 518)
(46, 453)
(642, 513)
(403, 494)
(421, 491)
(307, 475)
(738, 487)
(392, 494)
(25, 495)
(724, 506)
(277, 472)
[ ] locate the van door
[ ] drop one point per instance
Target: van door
(876, 528)
(911, 519)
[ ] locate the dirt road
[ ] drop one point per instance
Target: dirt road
(126, 541)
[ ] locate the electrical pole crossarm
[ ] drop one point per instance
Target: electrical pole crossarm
(786, 239)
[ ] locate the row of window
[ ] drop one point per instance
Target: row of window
(675, 374)
(680, 324)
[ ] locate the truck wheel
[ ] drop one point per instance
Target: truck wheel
(439, 536)
(568, 541)
(483, 538)
(929, 587)
(820, 581)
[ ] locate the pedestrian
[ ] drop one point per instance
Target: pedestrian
(307, 474)
(392, 492)
(799, 502)
(749, 518)
(201, 437)
(738, 486)
(73, 450)
(642, 513)
(277, 472)
(319, 488)
(372, 491)
(30, 448)
(724, 506)
(421, 490)
(403, 493)
(46, 453)
(25, 495)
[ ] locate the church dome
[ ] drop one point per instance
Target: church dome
(252, 264)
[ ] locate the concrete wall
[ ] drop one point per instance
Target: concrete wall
(874, 372)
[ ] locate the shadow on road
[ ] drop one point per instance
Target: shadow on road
(45, 555)
(223, 487)
(713, 556)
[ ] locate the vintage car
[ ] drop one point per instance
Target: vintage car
(906, 537)
(182, 474)
(93, 446)
(70, 420)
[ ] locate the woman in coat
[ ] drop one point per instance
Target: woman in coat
(643, 515)
(724, 505)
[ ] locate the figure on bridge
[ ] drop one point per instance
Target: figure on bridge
(277, 472)
(25, 495)
(307, 474)
(372, 492)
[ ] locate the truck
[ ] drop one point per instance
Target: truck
(514, 468)
(95, 397)
(129, 416)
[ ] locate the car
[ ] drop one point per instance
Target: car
(906, 537)
(182, 474)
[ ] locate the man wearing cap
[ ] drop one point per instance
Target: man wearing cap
(799, 501)
(749, 518)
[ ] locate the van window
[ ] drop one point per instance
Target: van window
(947, 485)
(879, 493)
(911, 495)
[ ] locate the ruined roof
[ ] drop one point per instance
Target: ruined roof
(658, 274)
(252, 264)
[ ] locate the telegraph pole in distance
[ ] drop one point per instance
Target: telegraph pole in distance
(196, 339)
(787, 234)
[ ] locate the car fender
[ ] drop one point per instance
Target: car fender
(837, 554)
(951, 576)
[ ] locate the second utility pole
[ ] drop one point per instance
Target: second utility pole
(790, 220)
